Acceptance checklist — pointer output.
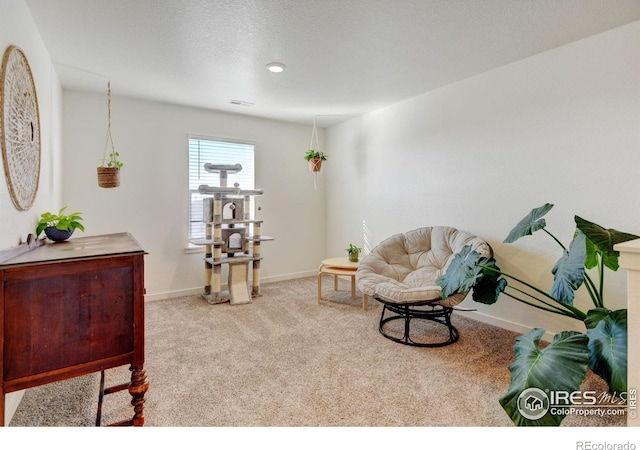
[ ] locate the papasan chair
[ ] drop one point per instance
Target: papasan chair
(401, 273)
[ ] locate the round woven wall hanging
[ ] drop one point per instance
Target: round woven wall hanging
(20, 128)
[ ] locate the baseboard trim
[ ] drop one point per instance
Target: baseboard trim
(291, 276)
(505, 324)
(12, 400)
(172, 294)
(199, 290)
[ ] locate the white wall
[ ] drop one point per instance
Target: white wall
(17, 28)
(152, 200)
(560, 127)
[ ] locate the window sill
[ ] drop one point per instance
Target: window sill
(190, 248)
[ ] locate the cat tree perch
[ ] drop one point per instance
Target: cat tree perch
(227, 218)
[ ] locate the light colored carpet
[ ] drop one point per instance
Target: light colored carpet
(285, 361)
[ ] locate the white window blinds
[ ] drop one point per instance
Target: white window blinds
(203, 151)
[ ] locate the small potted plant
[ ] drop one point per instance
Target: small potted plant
(354, 253)
(109, 172)
(59, 227)
(315, 159)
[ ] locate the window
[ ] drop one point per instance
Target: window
(203, 151)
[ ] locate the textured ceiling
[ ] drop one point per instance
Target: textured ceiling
(343, 57)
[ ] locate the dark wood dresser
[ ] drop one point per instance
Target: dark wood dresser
(72, 308)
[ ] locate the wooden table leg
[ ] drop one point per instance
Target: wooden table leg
(319, 284)
(353, 286)
(365, 302)
(137, 389)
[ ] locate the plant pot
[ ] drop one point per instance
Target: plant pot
(57, 235)
(315, 164)
(108, 177)
(354, 256)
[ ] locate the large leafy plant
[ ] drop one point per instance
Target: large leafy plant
(562, 364)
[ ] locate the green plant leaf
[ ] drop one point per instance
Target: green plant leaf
(489, 285)
(601, 240)
(568, 272)
(63, 223)
(75, 224)
(594, 316)
(529, 224)
(469, 269)
(462, 273)
(311, 154)
(40, 228)
(608, 346)
(561, 366)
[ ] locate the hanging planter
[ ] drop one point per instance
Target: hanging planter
(315, 157)
(109, 172)
(108, 177)
(315, 160)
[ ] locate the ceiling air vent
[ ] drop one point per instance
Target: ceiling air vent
(240, 103)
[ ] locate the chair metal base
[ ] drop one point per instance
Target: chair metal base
(417, 311)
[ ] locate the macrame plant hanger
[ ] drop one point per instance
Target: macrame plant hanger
(109, 139)
(108, 174)
(314, 134)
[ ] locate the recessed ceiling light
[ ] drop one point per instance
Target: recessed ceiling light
(275, 67)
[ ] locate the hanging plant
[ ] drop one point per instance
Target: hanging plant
(109, 172)
(315, 157)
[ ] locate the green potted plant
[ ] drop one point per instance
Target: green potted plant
(353, 252)
(109, 172)
(561, 366)
(315, 159)
(59, 227)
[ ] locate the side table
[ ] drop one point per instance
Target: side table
(337, 267)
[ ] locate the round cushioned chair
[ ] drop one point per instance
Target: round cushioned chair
(401, 273)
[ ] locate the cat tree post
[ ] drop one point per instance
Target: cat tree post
(208, 253)
(217, 251)
(255, 280)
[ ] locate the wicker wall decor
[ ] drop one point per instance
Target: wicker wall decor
(19, 128)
